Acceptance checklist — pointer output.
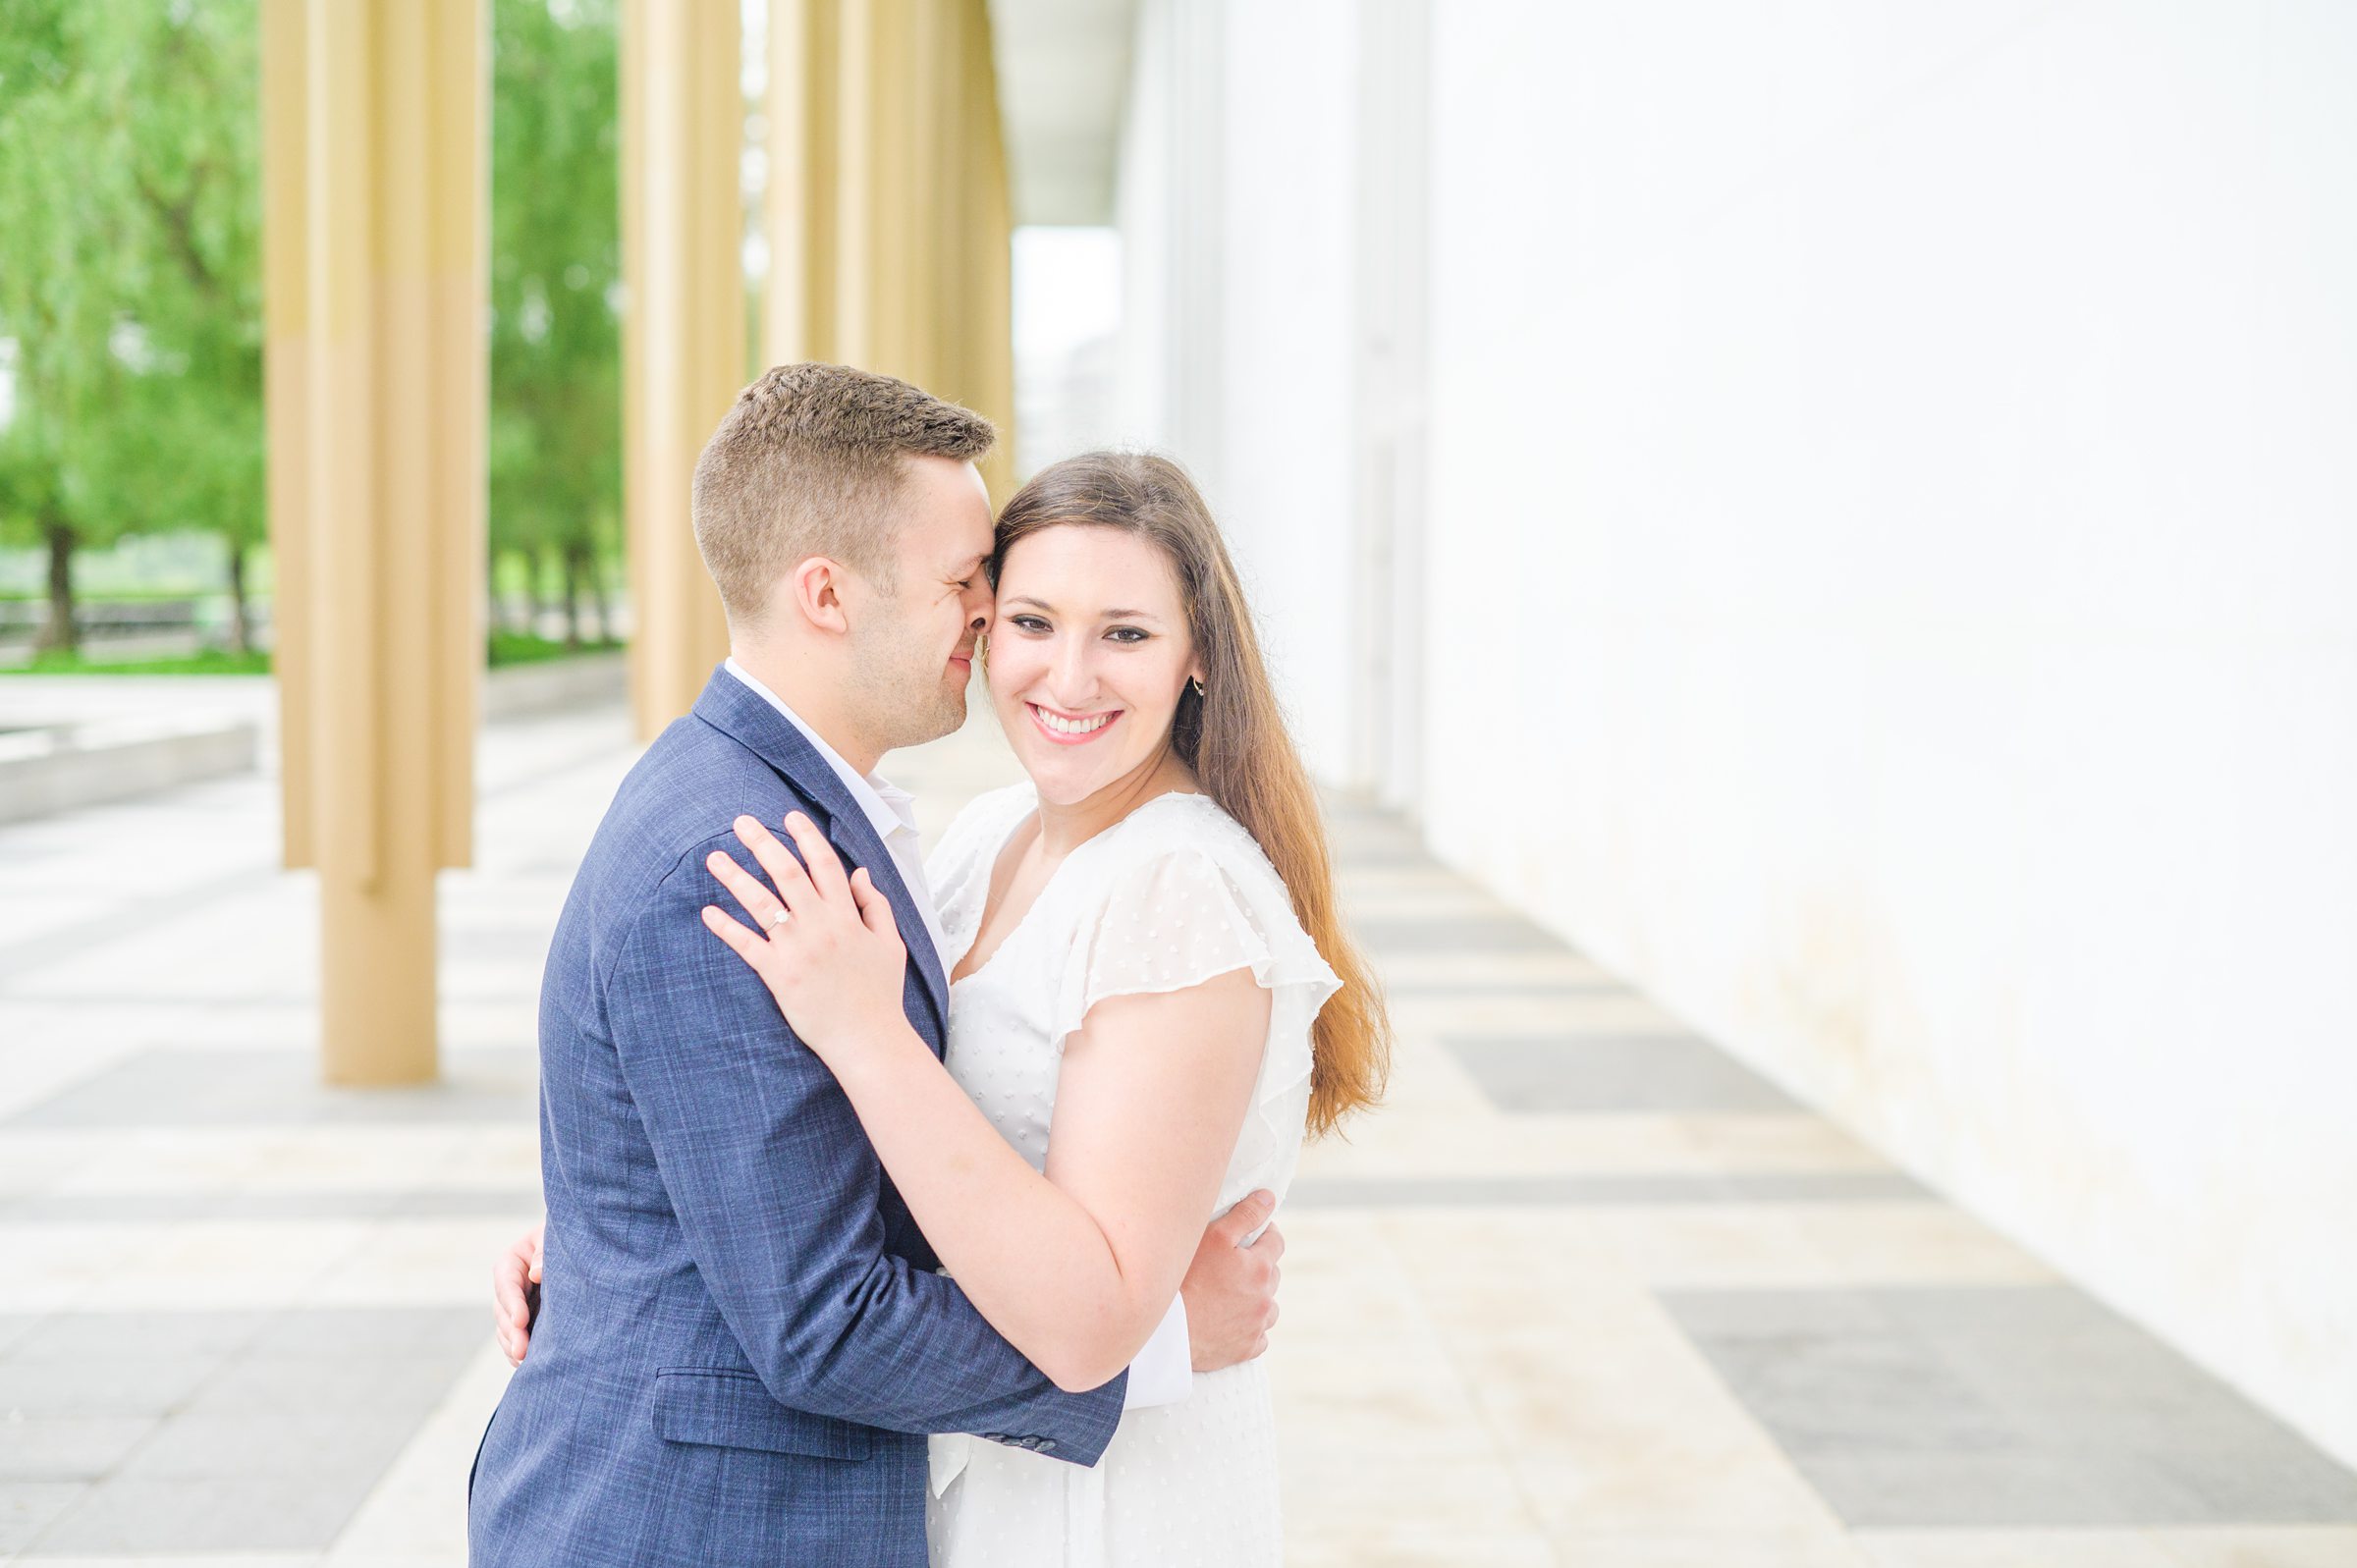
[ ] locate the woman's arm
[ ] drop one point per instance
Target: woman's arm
(1075, 1268)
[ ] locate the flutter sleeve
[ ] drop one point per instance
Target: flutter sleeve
(1188, 913)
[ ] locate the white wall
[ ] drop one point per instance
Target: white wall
(1067, 317)
(1236, 220)
(1893, 491)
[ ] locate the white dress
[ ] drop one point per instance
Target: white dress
(1173, 895)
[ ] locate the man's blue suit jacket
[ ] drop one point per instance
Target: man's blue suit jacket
(741, 1340)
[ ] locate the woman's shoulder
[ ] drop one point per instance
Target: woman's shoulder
(1178, 841)
(1179, 891)
(1183, 826)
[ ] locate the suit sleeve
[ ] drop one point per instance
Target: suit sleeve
(777, 1193)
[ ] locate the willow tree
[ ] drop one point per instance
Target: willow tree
(556, 267)
(129, 283)
(192, 162)
(64, 276)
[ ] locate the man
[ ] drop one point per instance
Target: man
(744, 1340)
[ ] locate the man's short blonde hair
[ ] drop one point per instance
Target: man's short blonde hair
(809, 462)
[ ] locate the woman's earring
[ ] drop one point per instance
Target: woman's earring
(1196, 682)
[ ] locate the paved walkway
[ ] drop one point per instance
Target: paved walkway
(1588, 1292)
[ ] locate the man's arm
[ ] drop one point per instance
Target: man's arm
(1222, 1315)
(776, 1194)
(1162, 1372)
(1231, 1286)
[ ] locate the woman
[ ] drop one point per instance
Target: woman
(1134, 941)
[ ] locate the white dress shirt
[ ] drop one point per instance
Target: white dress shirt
(1162, 1373)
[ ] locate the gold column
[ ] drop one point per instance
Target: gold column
(888, 221)
(981, 288)
(876, 230)
(684, 333)
(285, 411)
(375, 113)
(798, 308)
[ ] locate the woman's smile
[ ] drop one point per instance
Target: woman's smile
(1071, 729)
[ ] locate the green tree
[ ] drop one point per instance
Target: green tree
(194, 423)
(130, 285)
(130, 282)
(65, 273)
(556, 256)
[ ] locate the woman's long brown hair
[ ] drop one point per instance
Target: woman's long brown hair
(1233, 736)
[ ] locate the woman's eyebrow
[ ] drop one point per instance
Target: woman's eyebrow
(1110, 614)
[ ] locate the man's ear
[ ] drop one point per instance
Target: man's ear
(815, 591)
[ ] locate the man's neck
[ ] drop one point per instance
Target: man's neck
(804, 685)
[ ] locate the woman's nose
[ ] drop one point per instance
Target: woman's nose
(1072, 676)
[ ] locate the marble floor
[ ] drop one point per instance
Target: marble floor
(1588, 1291)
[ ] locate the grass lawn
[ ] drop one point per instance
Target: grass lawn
(505, 648)
(517, 648)
(211, 662)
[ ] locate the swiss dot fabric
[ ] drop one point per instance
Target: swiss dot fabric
(1173, 895)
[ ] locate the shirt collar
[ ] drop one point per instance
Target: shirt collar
(888, 808)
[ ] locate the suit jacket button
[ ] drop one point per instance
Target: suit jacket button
(1046, 1443)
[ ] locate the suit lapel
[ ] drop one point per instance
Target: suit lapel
(735, 709)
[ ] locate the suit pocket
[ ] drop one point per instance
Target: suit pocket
(722, 1409)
